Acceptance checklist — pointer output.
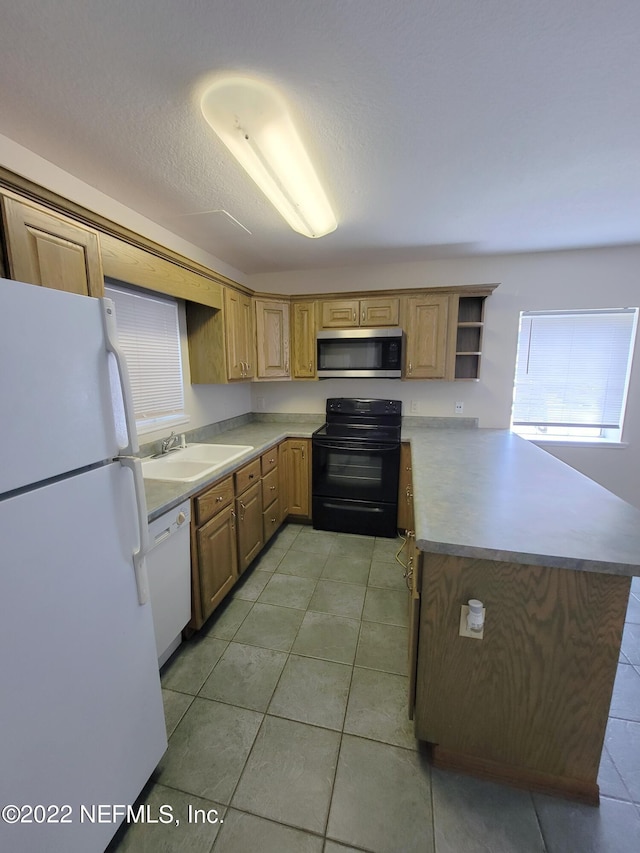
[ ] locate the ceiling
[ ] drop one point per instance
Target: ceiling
(440, 128)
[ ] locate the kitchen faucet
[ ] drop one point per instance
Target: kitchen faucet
(170, 443)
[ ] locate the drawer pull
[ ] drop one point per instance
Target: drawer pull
(271, 461)
(219, 499)
(251, 476)
(272, 488)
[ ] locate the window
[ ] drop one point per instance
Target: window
(149, 335)
(572, 373)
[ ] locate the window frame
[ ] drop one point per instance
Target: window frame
(604, 435)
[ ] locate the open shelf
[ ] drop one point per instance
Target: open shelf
(469, 336)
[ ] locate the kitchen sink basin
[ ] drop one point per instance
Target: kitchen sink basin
(191, 463)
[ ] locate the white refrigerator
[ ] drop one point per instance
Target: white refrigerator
(81, 717)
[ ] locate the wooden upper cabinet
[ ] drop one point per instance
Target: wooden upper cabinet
(427, 326)
(272, 339)
(303, 340)
(239, 334)
(346, 313)
(50, 250)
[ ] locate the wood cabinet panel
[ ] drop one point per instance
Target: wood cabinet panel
(215, 499)
(529, 702)
(247, 476)
(270, 488)
(379, 312)
(427, 334)
(371, 311)
(303, 347)
(405, 489)
(129, 263)
(340, 314)
(269, 460)
(272, 339)
(250, 525)
(217, 561)
(270, 521)
(239, 335)
(299, 478)
(51, 251)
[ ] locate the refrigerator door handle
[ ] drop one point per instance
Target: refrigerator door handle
(139, 556)
(112, 345)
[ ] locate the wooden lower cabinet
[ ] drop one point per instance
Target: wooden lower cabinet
(298, 476)
(250, 534)
(216, 561)
(528, 703)
(405, 489)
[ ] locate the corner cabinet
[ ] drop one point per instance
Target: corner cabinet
(222, 342)
(49, 250)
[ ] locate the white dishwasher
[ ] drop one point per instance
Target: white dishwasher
(169, 569)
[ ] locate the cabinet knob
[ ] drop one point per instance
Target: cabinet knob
(219, 499)
(251, 476)
(271, 461)
(273, 521)
(410, 367)
(309, 367)
(354, 316)
(272, 488)
(363, 316)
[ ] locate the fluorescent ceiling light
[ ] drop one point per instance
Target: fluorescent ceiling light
(253, 121)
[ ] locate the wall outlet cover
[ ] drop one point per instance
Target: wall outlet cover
(459, 408)
(464, 630)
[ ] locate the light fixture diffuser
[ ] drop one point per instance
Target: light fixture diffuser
(253, 121)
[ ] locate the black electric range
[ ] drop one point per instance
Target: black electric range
(356, 465)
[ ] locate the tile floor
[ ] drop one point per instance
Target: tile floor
(287, 717)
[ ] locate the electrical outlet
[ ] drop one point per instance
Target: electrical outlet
(414, 407)
(464, 630)
(459, 408)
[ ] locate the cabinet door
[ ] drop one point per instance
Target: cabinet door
(250, 533)
(299, 478)
(379, 312)
(238, 320)
(272, 339)
(415, 585)
(426, 324)
(217, 559)
(405, 490)
(303, 360)
(51, 251)
(283, 469)
(340, 314)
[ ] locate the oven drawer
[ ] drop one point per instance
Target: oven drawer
(362, 517)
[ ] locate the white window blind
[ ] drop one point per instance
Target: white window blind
(572, 367)
(149, 335)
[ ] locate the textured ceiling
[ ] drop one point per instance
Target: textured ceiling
(439, 127)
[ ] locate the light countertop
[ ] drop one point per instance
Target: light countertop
(493, 495)
(162, 495)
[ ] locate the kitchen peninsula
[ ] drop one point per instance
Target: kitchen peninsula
(550, 554)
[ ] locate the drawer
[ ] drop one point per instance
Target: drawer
(270, 488)
(269, 460)
(247, 476)
(213, 500)
(271, 521)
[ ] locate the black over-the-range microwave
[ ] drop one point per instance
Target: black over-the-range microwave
(352, 353)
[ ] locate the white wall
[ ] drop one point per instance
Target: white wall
(571, 279)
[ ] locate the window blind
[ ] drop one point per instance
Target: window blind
(572, 367)
(149, 335)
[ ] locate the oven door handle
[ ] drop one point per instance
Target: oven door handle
(363, 447)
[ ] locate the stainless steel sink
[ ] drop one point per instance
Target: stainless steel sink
(191, 463)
